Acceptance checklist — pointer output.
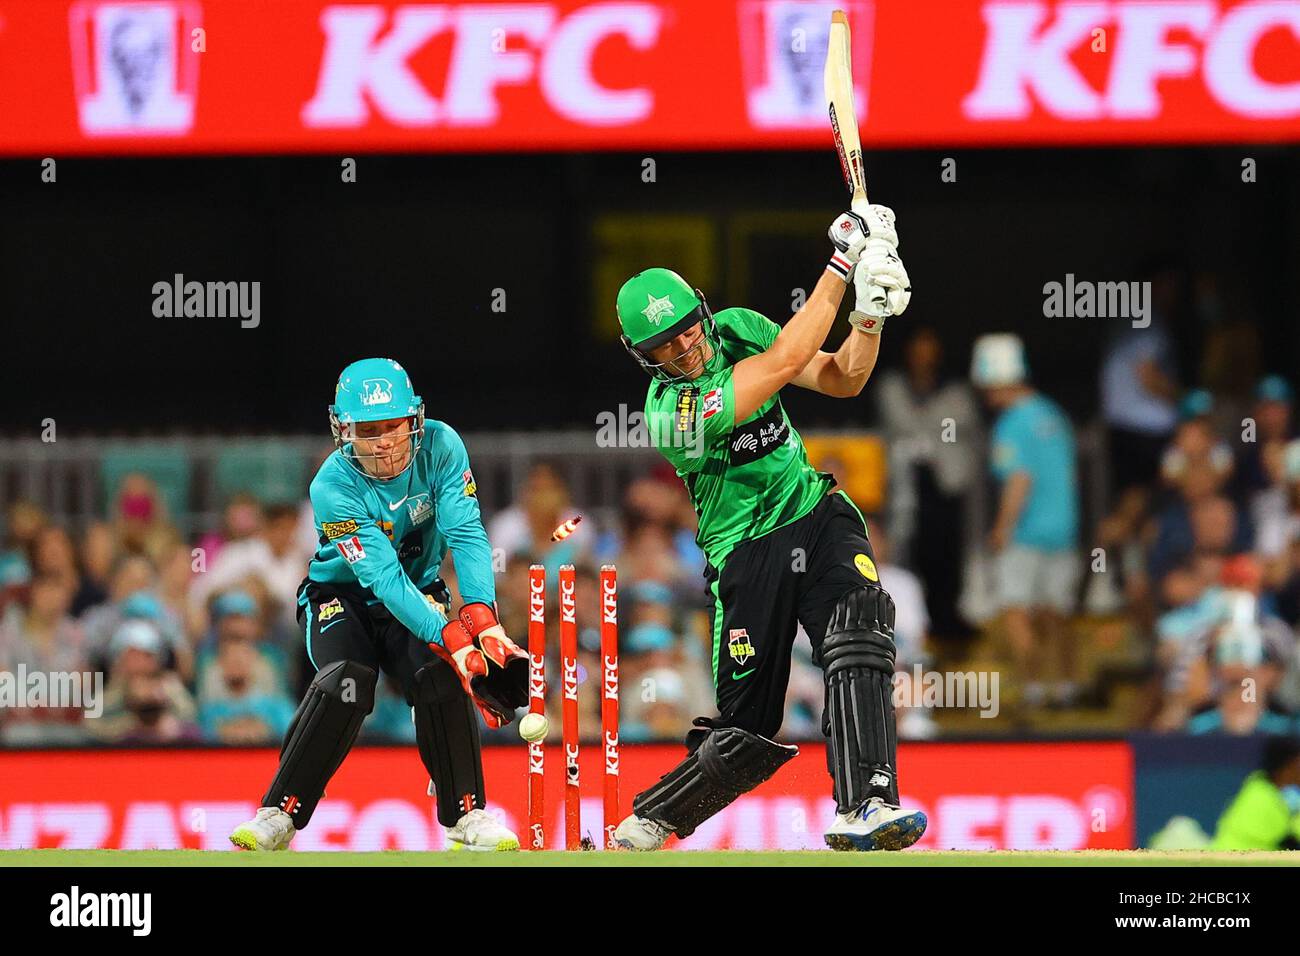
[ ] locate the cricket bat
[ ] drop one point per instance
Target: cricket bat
(838, 82)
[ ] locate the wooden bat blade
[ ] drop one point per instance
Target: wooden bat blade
(837, 81)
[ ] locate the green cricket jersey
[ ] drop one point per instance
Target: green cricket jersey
(748, 478)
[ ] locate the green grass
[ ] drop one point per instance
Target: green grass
(1103, 858)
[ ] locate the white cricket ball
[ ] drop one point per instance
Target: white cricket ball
(533, 727)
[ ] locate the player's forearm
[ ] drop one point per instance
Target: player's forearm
(853, 363)
(804, 334)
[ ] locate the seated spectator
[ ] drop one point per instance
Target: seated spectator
(271, 555)
(1196, 520)
(42, 637)
(653, 662)
(237, 616)
(141, 518)
(145, 703)
(134, 598)
(241, 700)
(1272, 418)
(524, 529)
(98, 555)
(1223, 676)
(240, 520)
(1196, 443)
(23, 523)
(53, 553)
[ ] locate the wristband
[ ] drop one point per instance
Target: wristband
(868, 324)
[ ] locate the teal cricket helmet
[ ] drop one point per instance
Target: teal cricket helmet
(374, 390)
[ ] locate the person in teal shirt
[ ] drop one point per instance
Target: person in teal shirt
(393, 499)
(1036, 532)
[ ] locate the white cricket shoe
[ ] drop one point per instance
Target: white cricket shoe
(478, 830)
(876, 826)
(638, 833)
(271, 829)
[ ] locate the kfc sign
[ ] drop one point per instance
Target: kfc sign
(491, 48)
(1028, 48)
(200, 76)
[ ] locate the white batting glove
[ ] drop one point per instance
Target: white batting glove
(880, 282)
(849, 236)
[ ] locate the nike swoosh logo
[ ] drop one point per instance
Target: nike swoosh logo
(329, 625)
(740, 676)
(397, 504)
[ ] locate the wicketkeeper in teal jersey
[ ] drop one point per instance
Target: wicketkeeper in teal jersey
(393, 499)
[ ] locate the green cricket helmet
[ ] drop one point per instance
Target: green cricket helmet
(374, 390)
(656, 306)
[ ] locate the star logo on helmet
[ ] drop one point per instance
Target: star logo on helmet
(376, 391)
(657, 309)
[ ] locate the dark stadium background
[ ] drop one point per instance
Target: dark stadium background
(404, 262)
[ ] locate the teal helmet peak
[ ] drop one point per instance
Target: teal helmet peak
(374, 390)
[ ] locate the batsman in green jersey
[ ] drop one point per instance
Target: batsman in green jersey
(782, 547)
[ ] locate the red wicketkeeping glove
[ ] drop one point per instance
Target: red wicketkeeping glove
(458, 650)
(504, 684)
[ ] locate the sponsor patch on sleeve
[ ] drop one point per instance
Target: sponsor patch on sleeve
(338, 529)
(687, 401)
(712, 402)
(471, 486)
(351, 549)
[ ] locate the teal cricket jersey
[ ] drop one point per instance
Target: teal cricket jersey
(390, 537)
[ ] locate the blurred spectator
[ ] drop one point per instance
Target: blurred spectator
(1272, 426)
(543, 504)
(43, 638)
(911, 631)
(271, 555)
(241, 519)
(1265, 813)
(930, 474)
(241, 698)
(1196, 521)
(53, 553)
(1227, 659)
(1196, 444)
(1138, 390)
(142, 526)
(666, 685)
(144, 702)
(1035, 533)
(133, 598)
(23, 523)
(98, 556)
(653, 664)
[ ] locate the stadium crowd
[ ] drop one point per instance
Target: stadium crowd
(1198, 556)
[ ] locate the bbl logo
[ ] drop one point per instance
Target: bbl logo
(330, 609)
(738, 645)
